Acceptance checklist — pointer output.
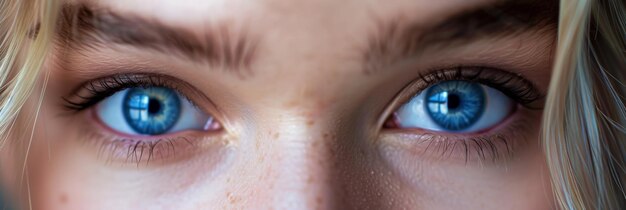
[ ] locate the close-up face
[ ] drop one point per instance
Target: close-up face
(283, 104)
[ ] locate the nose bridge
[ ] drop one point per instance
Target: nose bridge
(315, 166)
(303, 164)
(295, 138)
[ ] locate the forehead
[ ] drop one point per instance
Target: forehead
(297, 32)
(287, 13)
(328, 26)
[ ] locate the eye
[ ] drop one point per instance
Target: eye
(151, 111)
(455, 106)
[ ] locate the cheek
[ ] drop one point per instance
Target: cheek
(62, 180)
(73, 179)
(67, 172)
(522, 182)
(63, 187)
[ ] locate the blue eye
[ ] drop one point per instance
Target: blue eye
(150, 111)
(455, 106)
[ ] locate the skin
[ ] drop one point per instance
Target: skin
(301, 126)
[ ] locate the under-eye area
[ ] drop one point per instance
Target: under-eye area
(468, 113)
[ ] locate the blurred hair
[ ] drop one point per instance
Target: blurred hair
(584, 119)
(26, 32)
(583, 125)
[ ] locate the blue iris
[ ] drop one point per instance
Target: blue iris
(455, 105)
(151, 111)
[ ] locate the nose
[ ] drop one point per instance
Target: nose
(305, 163)
(310, 155)
(298, 165)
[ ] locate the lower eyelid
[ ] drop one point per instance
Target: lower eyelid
(143, 151)
(114, 147)
(498, 143)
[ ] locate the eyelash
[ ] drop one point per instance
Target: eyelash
(484, 145)
(99, 89)
(512, 85)
(134, 149)
(137, 151)
(491, 147)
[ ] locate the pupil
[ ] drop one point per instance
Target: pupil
(154, 106)
(453, 101)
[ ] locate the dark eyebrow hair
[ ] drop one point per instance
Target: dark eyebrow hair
(397, 40)
(84, 26)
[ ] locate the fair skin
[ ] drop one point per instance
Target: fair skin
(301, 114)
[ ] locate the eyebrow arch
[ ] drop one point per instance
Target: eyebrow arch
(396, 40)
(84, 26)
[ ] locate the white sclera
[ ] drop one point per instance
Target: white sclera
(110, 112)
(413, 114)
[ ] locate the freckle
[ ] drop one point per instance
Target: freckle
(310, 122)
(315, 144)
(291, 103)
(63, 198)
(308, 93)
(231, 198)
(276, 135)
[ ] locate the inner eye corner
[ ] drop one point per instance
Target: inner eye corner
(390, 122)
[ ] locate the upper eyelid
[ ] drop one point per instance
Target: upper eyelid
(467, 73)
(492, 77)
(128, 80)
(110, 84)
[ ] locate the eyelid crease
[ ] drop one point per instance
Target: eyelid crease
(526, 93)
(103, 87)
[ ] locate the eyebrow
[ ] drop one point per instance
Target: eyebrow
(396, 40)
(85, 26)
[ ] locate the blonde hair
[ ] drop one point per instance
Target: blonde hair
(583, 125)
(20, 58)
